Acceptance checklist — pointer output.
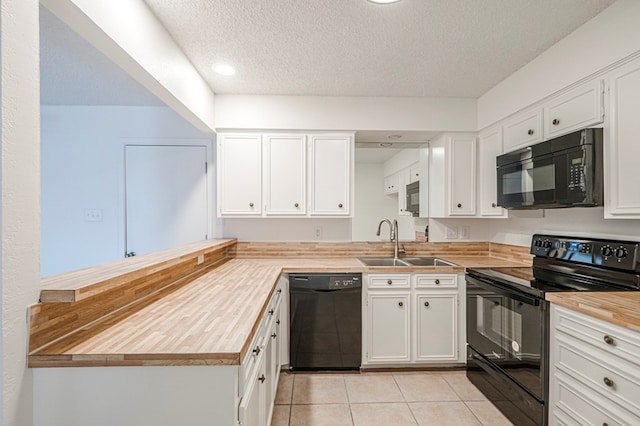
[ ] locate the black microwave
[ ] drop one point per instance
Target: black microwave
(413, 198)
(561, 172)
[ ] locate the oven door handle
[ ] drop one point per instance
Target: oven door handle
(498, 289)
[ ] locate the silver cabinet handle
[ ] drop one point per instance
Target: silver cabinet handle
(530, 132)
(262, 378)
(277, 322)
(459, 205)
(389, 282)
(250, 204)
(437, 282)
(256, 351)
(426, 304)
(296, 205)
(607, 381)
(400, 304)
(340, 205)
(609, 340)
(493, 205)
(555, 122)
(271, 311)
(274, 335)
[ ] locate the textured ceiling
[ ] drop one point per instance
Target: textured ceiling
(458, 48)
(72, 72)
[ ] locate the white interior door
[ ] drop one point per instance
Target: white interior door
(166, 196)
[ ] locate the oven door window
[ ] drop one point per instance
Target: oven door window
(527, 183)
(509, 331)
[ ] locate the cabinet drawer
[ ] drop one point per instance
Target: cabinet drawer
(523, 130)
(436, 281)
(579, 406)
(389, 281)
(622, 342)
(574, 110)
(606, 374)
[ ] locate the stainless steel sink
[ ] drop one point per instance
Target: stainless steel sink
(406, 261)
(382, 261)
(427, 261)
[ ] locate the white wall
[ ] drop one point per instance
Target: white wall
(371, 205)
(129, 34)
(287, 229)
(607, 38)
(19, 191)
(344, 113)
(579, 222)
(83, 168)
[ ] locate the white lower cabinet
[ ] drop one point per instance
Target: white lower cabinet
(388, 331)
(413, 319)
(436, 325)
(594, 371)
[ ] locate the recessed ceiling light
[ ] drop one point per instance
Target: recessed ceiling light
(385, 145)
(394, 137)
(224, 69)
(384, 1)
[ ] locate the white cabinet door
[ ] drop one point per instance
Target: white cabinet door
(388, 327)
(523, 130)
(489, 147)
(574, 110)
(285, 174)
(240, 175)
(462, 175)
(251, 411)
(330, 175)
(391, 184)
(436, 326)
(622, 147)
(414, 173)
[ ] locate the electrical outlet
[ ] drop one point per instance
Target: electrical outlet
(451, 233)
(317, 232)
(464, 233)
(93, 215)
(201, 259)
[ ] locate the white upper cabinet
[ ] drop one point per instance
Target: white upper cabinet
(285, 174)
(240, 174)
(391, 184)
(462, 175)
(622, 144)
(293, 174)
(489, 147)
(576, 109)
(330, 159)
(523, 130)
(452, 176)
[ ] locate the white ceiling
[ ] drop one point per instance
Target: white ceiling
(452, 48)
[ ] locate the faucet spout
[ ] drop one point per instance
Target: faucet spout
(388, 222)
(393, 235)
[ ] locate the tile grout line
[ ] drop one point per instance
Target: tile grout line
(405, 399)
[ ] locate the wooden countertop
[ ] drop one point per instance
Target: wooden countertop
(209, 321)
(621, 307)
(77, 285)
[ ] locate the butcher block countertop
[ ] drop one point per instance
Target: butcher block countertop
(209, 320)
(621, 308)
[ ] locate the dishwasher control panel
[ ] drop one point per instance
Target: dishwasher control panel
(344, 281)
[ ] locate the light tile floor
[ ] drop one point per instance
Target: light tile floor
(371, 398)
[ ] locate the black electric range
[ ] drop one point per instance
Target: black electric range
(508, 316)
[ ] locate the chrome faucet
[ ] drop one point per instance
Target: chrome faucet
(393, 236)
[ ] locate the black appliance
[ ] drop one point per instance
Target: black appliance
(413, 199)
(561, 172)
(508, 316)
(325, 321)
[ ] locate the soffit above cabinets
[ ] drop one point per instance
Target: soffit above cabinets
(437, 48)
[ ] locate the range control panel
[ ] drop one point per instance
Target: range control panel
(611, 253)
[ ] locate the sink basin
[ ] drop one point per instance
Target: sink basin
(406, 261)
(427, 261)
(382, 261)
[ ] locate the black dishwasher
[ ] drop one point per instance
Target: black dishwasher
(325, 321)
